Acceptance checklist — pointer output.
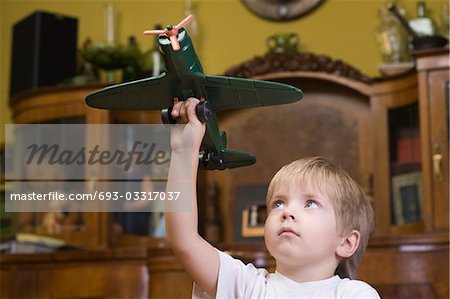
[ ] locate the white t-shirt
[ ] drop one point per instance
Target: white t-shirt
(237, 280)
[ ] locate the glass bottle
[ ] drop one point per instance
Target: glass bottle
(422, 24)
(391, 37)
(111, 23)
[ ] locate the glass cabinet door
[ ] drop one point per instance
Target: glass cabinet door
(405, 165)
(438, 143)
(433, 73)
(399, 201)
(51, 223)
(61, 105)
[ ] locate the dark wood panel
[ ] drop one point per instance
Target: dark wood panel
(120, 273)
(417, 269)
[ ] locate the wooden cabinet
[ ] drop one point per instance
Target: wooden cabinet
(334, 119)
(395, 111)
(118, 273)
(390, 134)
(433, 74)
(407, 266)
(412, 149)
(62, 105)
(66, 105)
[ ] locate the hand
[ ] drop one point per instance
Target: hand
(190, 136)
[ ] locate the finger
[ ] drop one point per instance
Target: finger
(179, 113)
(191, 104)
(182, 117)
(176, 110)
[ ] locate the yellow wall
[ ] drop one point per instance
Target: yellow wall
(230, 34)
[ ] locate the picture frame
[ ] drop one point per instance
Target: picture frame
(407, 198)
(249, 213)
(253, 219)
(281, 11)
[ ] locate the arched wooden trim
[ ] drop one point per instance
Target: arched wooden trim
(294, 62)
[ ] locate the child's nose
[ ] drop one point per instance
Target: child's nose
(287, 215)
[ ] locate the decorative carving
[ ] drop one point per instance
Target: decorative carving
(291, 62)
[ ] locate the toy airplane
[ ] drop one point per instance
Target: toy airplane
(184, 78)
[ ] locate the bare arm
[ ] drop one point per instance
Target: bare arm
(199, 258)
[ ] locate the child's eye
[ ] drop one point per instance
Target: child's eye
(277, 204)
(311, 204)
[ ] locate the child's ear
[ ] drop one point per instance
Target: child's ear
(349, 244)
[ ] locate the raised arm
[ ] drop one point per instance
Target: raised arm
(199, 258)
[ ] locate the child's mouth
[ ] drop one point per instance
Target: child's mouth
(286, 231)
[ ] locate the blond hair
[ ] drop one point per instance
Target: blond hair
(351, 206)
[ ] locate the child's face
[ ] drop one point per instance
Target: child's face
(300, 229)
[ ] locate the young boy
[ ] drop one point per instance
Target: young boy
(318, 225)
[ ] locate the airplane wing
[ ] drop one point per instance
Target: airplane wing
(146, 94)
(222, 92)
(229, 93)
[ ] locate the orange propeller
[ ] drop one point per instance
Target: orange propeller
(171, 32)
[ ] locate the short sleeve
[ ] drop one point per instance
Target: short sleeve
(236, 280)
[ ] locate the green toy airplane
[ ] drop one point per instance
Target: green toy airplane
(184, 78)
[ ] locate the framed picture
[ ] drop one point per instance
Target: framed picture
(407, 198)
(253, 218)
(250, 213)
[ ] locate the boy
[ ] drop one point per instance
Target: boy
(317, 226)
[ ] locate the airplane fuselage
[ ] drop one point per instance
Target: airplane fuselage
(182, 61)
(181, 67)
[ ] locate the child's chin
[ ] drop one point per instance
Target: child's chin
(285, 256)
(285, 248)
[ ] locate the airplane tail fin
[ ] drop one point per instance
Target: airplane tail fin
(226, 159)
(237, 159)
(223, 138)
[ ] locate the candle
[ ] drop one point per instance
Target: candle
(110, 26)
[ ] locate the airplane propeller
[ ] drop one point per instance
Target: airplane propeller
(171, 32)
